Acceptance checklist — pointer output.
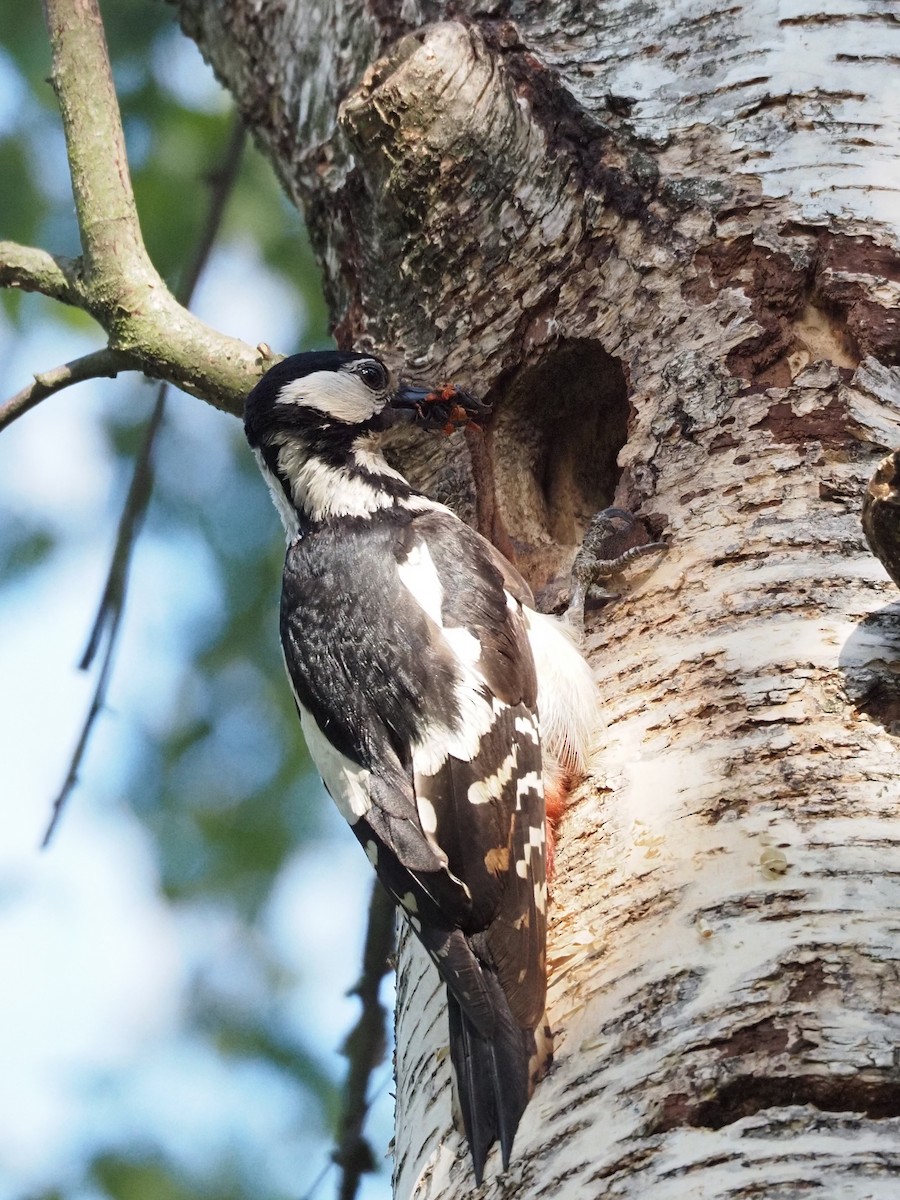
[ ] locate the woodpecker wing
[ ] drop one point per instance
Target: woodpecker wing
(482, 803)
(416, 689)
(419, 670)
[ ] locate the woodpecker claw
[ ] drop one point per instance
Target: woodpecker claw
(610, 545)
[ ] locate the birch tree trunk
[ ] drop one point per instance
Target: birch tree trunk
(664, 239)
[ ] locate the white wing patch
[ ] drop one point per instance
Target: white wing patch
(464, 644)
(347, 781)
(527, 726)
(536, 839)
(427, 814)
(529, 782)
(419, 576)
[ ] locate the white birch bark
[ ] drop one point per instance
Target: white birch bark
(683, 219)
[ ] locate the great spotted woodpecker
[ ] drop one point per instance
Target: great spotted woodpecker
(428, 689)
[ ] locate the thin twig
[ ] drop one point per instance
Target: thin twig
(365, 1045)
(112, 601)
(98, 364)
(97, 703)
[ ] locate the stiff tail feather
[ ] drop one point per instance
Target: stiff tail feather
(492, 1077)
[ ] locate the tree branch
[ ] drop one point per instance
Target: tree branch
(34, 270)
(115, 261)
(98, 364)
(115, 281)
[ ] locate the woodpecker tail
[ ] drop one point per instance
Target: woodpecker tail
(492, 1076)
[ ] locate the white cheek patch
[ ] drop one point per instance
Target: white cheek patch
(323, 491)
(338, 394)
(368, 457)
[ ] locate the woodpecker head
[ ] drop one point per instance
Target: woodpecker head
(313, 422)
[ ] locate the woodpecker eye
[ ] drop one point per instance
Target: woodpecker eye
(372, 374)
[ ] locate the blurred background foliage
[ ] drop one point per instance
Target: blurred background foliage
(213, 769)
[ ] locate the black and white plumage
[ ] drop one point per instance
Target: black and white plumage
(415, 658)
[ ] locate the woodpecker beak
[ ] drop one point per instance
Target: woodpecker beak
(445, 408)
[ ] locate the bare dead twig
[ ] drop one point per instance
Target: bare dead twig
(365, 1046)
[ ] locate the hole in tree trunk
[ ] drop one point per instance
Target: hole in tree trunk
(557, 432)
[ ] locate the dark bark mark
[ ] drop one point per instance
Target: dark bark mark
(874, 328)
(391, 24)
(572, 130)
(827, 425)
(810, 982)
(763, 1037)
(858, 255)
(724, 442)
(876, 1099)
(777, 288)
(336, 217)
(645, 1018)
(814, 299)
(879, 699)
(838, 18)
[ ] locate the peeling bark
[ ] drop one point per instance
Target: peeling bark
(664, 240)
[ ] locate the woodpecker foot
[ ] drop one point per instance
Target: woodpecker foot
(615, 538)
